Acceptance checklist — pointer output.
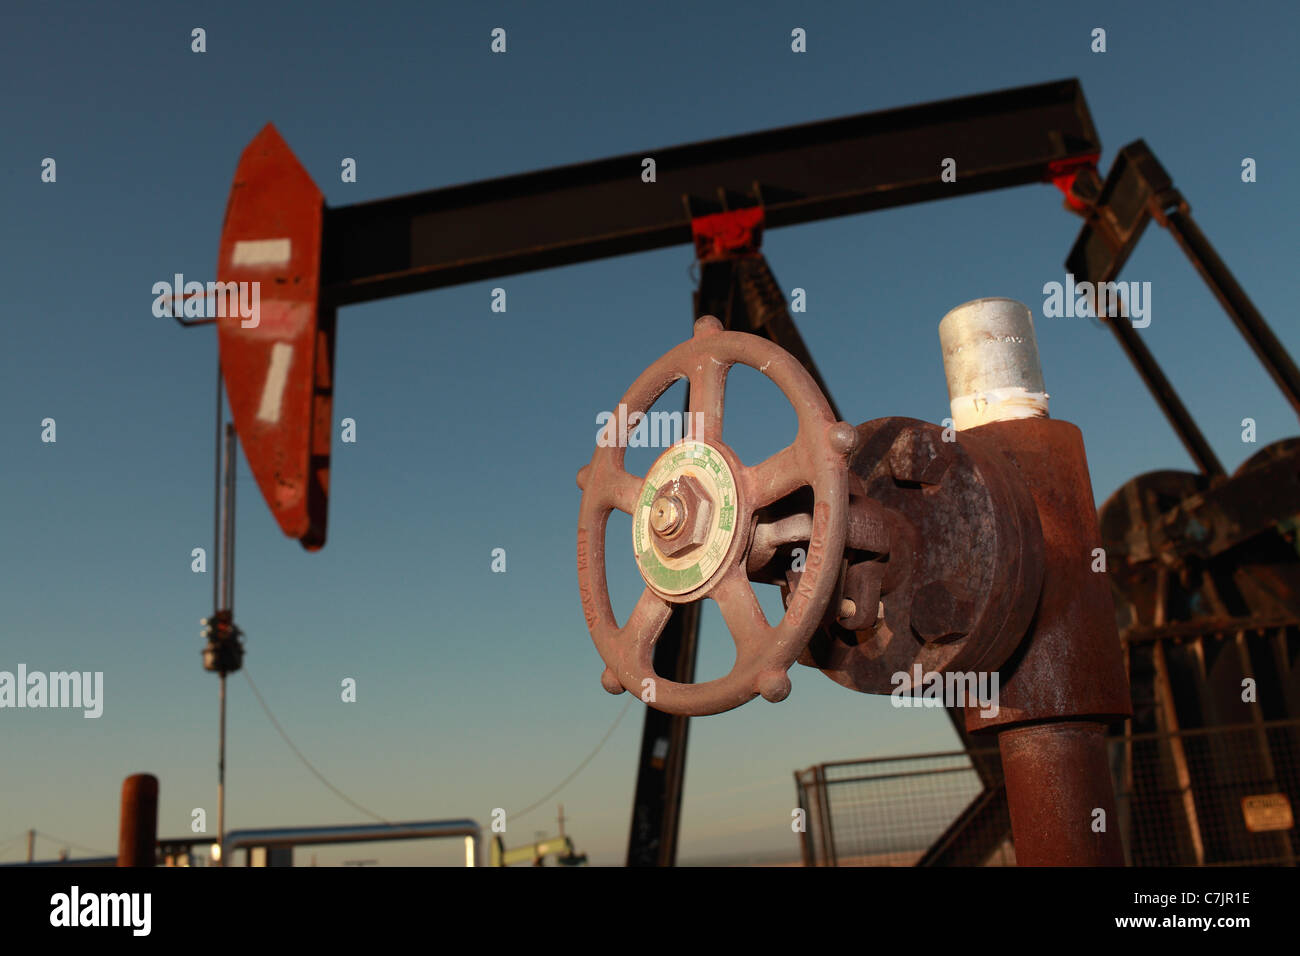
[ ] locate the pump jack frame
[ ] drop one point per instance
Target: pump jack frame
(720, 195)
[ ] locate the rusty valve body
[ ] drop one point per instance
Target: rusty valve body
(960, 578)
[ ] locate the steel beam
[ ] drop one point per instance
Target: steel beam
(803, 173)
(1136, 191)
(1118, 212)
(1261, 339)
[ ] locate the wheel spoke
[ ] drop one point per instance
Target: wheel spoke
(621, 490)
(646, 622)
(739, 606)
(708, 392)
(773, 479)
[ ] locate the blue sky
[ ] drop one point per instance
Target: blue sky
(479, 690)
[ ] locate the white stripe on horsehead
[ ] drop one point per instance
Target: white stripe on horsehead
(261, 252)
(277, 377)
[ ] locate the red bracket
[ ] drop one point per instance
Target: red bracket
(1063, 172)
(731, 233)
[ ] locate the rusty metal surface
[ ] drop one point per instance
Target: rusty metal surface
(1188, 556)
(138, 828)
(1206, 578)
(1071, 666)
(1218, 627)
(814, 459)
(1057, 778)
(964, 561)
(1209, 520)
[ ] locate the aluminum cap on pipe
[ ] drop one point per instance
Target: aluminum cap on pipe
(990, 358)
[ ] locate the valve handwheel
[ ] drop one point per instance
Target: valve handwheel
(692, 521)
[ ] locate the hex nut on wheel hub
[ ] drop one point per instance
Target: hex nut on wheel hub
(685, 518)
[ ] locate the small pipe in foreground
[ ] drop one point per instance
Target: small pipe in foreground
(990, 359)
(138, 832)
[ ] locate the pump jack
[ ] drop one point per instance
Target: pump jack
(559, 846)
(718, 194)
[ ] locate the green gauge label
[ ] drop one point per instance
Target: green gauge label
(693, 553)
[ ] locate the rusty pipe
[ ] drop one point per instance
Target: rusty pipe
(1070, 665)
(1060, 795)
(137, 839)
(1066, 681)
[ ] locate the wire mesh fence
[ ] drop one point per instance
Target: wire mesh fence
(890, 811)
(1219, 796)
(1206, 797)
